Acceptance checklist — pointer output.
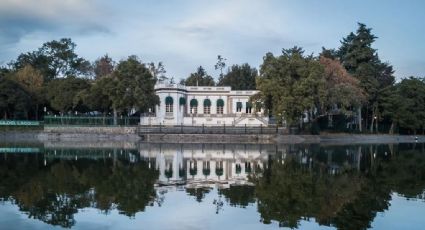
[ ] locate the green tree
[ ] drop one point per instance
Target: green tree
(62, 93)
(53, 59)
(32, 82)
(97, 97)
(220, 64)
(133, 87)
(362, 61)
(14, 100)
(404, 104)
(199, 78)
(293, 82)
(239, 77)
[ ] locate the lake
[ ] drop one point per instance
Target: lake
(211, 186)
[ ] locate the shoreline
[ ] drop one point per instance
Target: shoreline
(126, 136)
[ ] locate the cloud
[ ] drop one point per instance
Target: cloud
(19, 18)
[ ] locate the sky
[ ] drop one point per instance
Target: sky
(185, 34)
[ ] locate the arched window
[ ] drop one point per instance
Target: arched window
(239, 106)
(168, 104)
(220, 106)
(248, 107)
(206, 168)
(193, 170)
(207, 106)
(169, 171)
(219, 168)
(194, 106)
(182, 101)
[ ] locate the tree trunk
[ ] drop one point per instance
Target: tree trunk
(359, 158)
(376, 125)
(392, 128)
(366, 121)
(36, 111)
(391, 147)
(359, 111)
(115, 116)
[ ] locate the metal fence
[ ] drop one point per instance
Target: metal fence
(90, 121)
(182, 129)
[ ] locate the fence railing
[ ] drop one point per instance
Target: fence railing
(182, 129)
(90, 121)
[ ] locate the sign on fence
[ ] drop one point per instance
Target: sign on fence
(19, 150)
(19, 123)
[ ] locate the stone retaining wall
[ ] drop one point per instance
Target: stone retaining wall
(91, 130)
(80, 133)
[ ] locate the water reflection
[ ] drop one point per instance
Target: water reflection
(52, 189)
(338, 186)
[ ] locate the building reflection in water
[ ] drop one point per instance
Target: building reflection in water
(223, 165)
(203, 165)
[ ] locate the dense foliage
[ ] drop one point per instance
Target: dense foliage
(350, 84)
(56, 80)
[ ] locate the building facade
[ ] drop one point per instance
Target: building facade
(204, 105)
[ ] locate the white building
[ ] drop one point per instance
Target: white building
(204, 105)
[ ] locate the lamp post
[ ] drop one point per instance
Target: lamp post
(191, 114)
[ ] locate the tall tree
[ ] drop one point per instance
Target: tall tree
(221, 64)
(53, 59)
(14, 100)
(32, 81)
(294, 83)
(199, 78)
(404, 104)
(362, 61)
(103, 66)
(343, 91)
(133, 87)
(239, 77)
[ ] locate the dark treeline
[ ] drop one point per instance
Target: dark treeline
(344, 89)
(55, 192)
(56, 80)
(344, 187)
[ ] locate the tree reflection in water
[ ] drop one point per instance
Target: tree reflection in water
(343, 187)
(239, 195)
(198, 192)
(55, 192)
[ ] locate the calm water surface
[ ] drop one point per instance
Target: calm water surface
(211, 186)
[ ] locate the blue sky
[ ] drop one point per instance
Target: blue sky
(188, 33)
